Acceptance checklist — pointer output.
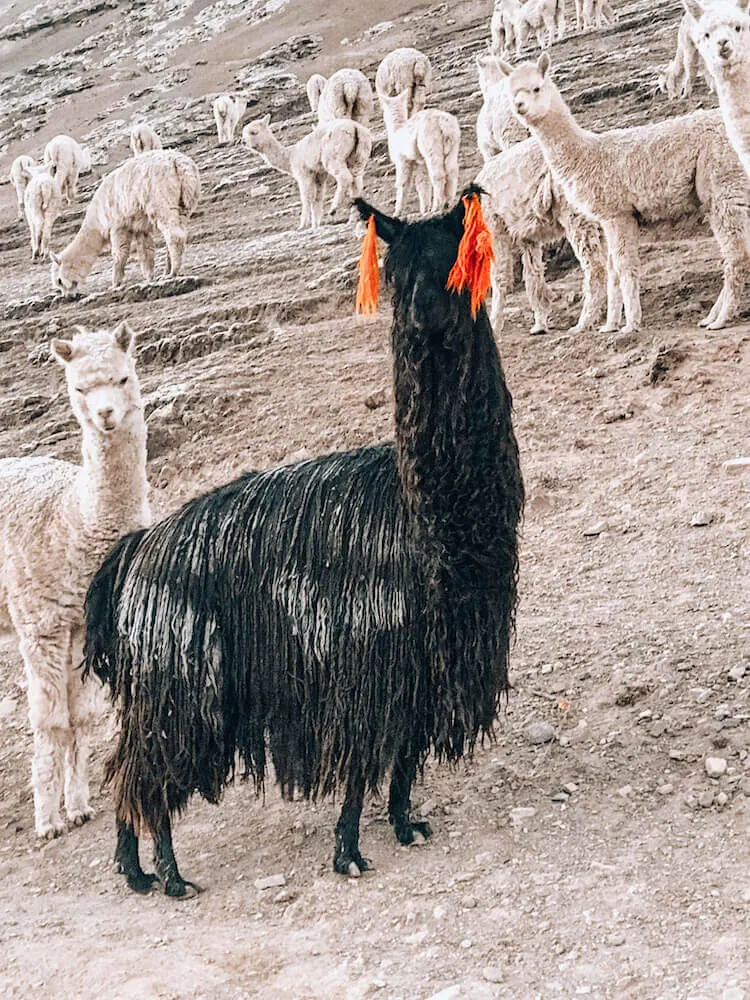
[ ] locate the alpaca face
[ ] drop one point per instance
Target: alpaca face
(60, 281)
(723, 36)
(255, 134)
(532, 91)
(101, 378)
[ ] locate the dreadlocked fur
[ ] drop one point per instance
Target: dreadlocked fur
(348, 614)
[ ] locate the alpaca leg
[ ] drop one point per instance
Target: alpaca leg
(560, 20)
(21, 212)
(583, 237)
(347, 860)
(578, 15)
(424, 188)
(404, 170)
(614, 299)
(127, 861)
(536, 287)
(49, 222)
(730, 232)
(622, 240)
(175, 237)
(166, 866)
(121, 240)
(438, 179)
(146, 250)
(399, 802)
(34, 235)
(85, 706)
(344, 187)
(501, 276)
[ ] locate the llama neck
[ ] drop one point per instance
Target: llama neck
(114, 490)
(276, 155)
(82, 252)
(734, 97)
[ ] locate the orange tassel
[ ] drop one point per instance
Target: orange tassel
(369, 275)
(472, 269)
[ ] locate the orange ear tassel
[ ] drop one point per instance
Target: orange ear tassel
(369, 275)
(475, 256)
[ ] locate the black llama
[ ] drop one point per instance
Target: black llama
(352, 613)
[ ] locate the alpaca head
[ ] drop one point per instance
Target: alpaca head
(722, 33)
(62, 280)
(531, 88)
(489, 72)
(256, 135)
(395, 109)
(314, 88)
(100, 373)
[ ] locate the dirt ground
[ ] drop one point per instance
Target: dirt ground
(626, 874)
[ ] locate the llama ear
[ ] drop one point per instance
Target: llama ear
(505, 68)
(386, 227)
(61, 350)
(124, 337)
(543, 63)
(695, 8)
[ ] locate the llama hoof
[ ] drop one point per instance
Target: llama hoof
(352, 865)
(142, 882)
(51, 830)
(411, 832)
(78, 817)
(179, 889)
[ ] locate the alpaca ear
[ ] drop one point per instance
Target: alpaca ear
(743, 4)
(386, 227)
(695, 8)
(61, 350)
(124, 337)
(543, 63)
(266, 120)
(505, 68)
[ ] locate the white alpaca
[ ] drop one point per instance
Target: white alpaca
(543, 17)
(143, 139)
(59, 521)
(228, 109)
(423, 148)
(661, 171)
(340, 149)
(497, 125)
(154, 191)
(42, 204)
(405, 69)
(22, 170)
(723, 35)
(593, 13)
(503, 27)
(65, 160)
(526, 211)
(678, 78)
(346, 94)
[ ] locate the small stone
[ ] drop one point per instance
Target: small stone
(493, 974)
(736, 466)
(376, 399)
(439, 912)
(595, 529)
(700, 519)
(270, 882)
(449, 993)
(616, 940)
(539, 732)
(625, 791)
(546, 668)
(285, 896)
(259, 191)
(737, 673)
(733, 993)
(721, 799)
(745, 787)
(706, 799)
(666, 789)
(570, 787)
(470, 902)
(466, 944)
(427, 808)
(521, 814)
(715, 766)
(7, 707)
(560, 797)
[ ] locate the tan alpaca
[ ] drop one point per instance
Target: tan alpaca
(543, 18)
(677, 80)
(661, 171)
(423, 148)
(405, 69)
(228, 109)
(723, 37)
(58, 522)
(22, 169)
(339, 149)
(65, 160)
(503, 27)
(154, 191)
(593, 13)
(498, 128)
(143, 139)
(526, 211)
(42, 205)
(347, 94)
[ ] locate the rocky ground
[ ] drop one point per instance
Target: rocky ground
(591, 849)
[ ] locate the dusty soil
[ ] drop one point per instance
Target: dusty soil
(633, 635)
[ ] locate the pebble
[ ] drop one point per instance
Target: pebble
(427, 807)
(493, 974)
(570, 787)
(449, 993)
(520, 814)
(721, 799)
(715, 766)
(595, 529)
(539, 732)
(700, 519)
(745, 787)
(7, 707)
(733, 993)
(666, 789)
(706, 799)
(737, 673)
(625, 791)
(736, 466)
(270, 882)
(560, 797)
(616, 940)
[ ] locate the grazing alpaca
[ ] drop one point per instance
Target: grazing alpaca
(157, 190)
(590, 13)
(22, 170)
(228, 109)
(662, 171)
(543, 17)
(42, 203)
(59, 521)
(405, 69)
(424, 147)
(497, 125)
(723, 35)
(340, 149)
(526, 211)
(503, 27)
(347, 94)
(65, 160)
(143, 139)
(348, 614)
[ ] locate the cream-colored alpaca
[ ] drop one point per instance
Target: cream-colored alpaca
(543, 18)
(663, 171)
(143, 139)
(526, 211)
(423, 148)
(405, 69)
(593, 13)
(58, 522)
(723, 36)
(228, 109)
(498, 128)
(503, 27)
(65, 159)
(42, 204)
(22, 169)
(339, 149)
(154, 191)
(347, 94)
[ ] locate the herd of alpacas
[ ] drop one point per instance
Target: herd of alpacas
(216, 629)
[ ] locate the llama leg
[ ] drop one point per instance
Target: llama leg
(536, 287)
(166, 866)
(399, 802)
(347, 860)
(121, 239)
(622, 240)
(127, 861)
(146, 255)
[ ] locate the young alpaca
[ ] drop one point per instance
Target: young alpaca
(347, 615)
(723, 35)
(143, 139)
(497, 125)
(655, 172)
(526, 211)
(59, 521)
(424, 148)
(540, 16)
(347, 94)
(157, 190)
(22, 170)
(228, 109)
(340, 149)
(590, 13)
(43, 204)
(405, 69)
(65, 160)
(503, 27)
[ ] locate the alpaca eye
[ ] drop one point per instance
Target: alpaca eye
(123, 380)
(79, 390)
(738, 28)
(708, 35)
(536, 90)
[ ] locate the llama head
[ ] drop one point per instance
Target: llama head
(100, 373)
(722, 33)
(255, 135)
(531, 88)
(62, 280)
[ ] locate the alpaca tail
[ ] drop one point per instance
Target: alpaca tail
(190, 184)
(102, 603)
